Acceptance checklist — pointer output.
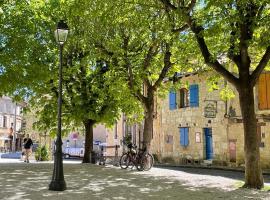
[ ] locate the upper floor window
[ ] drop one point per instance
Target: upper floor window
(264, 92)
(194, 95)
(184, 98)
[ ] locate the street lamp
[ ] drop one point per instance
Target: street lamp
(58, 182)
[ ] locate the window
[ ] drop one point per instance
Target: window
(264, 92)
(172, 100)
(194, 95)
(5, 121)
(1, 121)
(184, 141)
(183, 98)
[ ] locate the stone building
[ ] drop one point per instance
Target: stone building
(194, 125)
(118, 134)
(9, 127)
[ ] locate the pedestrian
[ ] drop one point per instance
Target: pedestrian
(10, 136)
(27, 143)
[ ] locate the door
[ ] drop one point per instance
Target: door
(232, 148)
(208, 143)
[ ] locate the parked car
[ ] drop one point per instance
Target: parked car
(73, 152)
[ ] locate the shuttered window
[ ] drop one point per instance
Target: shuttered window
(172, 100)
(1, 121)
(194, 95)
(5, 121)
(183, 98)
(184, 136)
(264, 92)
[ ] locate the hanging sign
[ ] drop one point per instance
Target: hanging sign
(210, 110)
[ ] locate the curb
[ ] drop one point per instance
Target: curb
(206, 167)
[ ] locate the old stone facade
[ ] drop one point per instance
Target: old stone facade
(118, 134)
(194, 124)
(10, 129)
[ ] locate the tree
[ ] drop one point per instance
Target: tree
(89, 98)
(236, 30)
(138, 48)
(21, 47)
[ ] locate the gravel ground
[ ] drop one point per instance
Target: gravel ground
(86, 181)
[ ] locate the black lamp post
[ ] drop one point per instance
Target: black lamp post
(58, 182)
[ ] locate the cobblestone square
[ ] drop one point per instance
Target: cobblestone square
(87, 181)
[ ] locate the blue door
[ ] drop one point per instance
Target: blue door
(208, 143)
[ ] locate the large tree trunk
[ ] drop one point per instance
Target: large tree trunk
(148, 123)
(88, 148)
(253, 172)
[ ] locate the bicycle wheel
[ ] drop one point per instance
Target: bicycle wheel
(139, 164)
(147, 162)
(124, 161)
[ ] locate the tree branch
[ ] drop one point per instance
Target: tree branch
(103, 49)
(130, 76)
(231, 53)
(167, 66)
(178, 30)
(168, 4)
(152, 51)
(260, 67)
(191, 6)
(209, 60)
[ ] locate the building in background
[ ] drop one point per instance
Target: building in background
(11, 124)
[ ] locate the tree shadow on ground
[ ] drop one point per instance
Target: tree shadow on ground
(86, 181)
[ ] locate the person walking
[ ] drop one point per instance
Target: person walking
(27, 147)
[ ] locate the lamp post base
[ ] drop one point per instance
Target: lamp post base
(58, 185)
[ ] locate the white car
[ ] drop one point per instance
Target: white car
(73, 152)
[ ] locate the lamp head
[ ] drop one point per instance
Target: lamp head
(61, 32)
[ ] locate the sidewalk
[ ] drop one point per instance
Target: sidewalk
(240, 169)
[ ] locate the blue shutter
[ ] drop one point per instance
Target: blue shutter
(186, 137)
(172, 100)
(194, 95)
(182, 136)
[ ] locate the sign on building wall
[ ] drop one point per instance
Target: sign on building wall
(169, 139)
(197, 137)
(210, 110)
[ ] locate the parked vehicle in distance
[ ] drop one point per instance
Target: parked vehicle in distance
(73, 152)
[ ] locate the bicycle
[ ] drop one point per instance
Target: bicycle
(141, 159)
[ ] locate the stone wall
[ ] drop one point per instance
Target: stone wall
(227, 127)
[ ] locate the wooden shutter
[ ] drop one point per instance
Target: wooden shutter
(262, 92)
(172, 100)
(184, 137)
(194, 95)
(267, 81)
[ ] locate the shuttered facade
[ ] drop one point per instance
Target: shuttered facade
(264, 91)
